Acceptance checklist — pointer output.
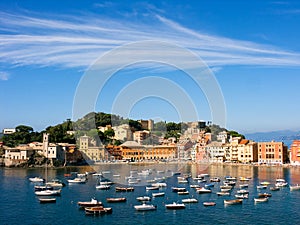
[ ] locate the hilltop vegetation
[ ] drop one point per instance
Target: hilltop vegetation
(88, 126)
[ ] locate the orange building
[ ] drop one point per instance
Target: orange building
(295, 153)
(272, 152)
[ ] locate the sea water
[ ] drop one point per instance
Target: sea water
(19, 205)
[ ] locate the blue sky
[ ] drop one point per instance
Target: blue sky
(252, 47)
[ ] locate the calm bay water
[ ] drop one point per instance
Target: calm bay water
(19, 205)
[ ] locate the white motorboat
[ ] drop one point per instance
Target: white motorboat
(36, 179)
(48, 192)
(143, 198)
(145, 207)
(78, 180)
(242, 196)
(259, 200)
(243, 191)
(159, 184)
(223, 193)
(203, 190)
(189, 200)
(102, 187)
(295, 187)
(158, 194)
(175, 205)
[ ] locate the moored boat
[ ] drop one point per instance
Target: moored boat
(182, 192)
(189, 200)
(148, 188)
(158, 194)
(159, 184)
(47, 200)
(209, 203)
(48, 192)
(145, 207)
(259, 200)
(241, 196)
(102, 187)
(209, 185)
(124, 189)
(243, 191)
(223, 193)
(115, 200)
(264, 195)
(175, 205)
(203, 190)
(215, 179)
(77, 180)
(178, 189)
(143, 198)
(36, 179)
(295, 187)
(97, 210)
(92, 203)
(261, 186)
(244, 185)
(233, 202)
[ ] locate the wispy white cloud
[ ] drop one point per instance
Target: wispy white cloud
(4, 76)
(69, 41)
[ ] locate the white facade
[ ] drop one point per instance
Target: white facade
(9, 130)
(216, 151)
(122, 132)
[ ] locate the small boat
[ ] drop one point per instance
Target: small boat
(230, 178)
(241, 196)
(106, 182)
(97, 174)
(281, 184)
(182, 192)
(78, 180)
(222, 193)
(244, 185)
(43, 187)
(102, 187)
(265, 183)
(295, 187)
(189, 200)
(209, 185)
(194, 186)
(175, 205)
(97, 210)
(56, 183)
(229, 182)
(203, 190)
(226, 186)
(158, 194)
(124, 189)
(244, 179)
(264, 195)
(149, 188)
(48, 192)
(274, 188)
(261, 186)
(280, 180)
(143, 198)
(145, 207)
(111, 200)
(209, 203)
(233, 202)
(151, 181)
(47, 200)
(178, 189)
(159, 184)
(225, 190)
(36, 179)
(92, 203)
(215, 179)
(259, 200)
(243, 191)
(203, 175)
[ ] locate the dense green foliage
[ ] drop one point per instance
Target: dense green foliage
(89, 124)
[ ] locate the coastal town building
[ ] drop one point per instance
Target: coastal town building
(122, 132)
(147, 124)
(272, 152)
(184, 149)
(90, 151)
(295, 152)
(247, 151)
(216, 151)
(9, 130)
(140, 136)
(15, 156)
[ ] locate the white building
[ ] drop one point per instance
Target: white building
(9, 130)
(216, 151)
(122, 132)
